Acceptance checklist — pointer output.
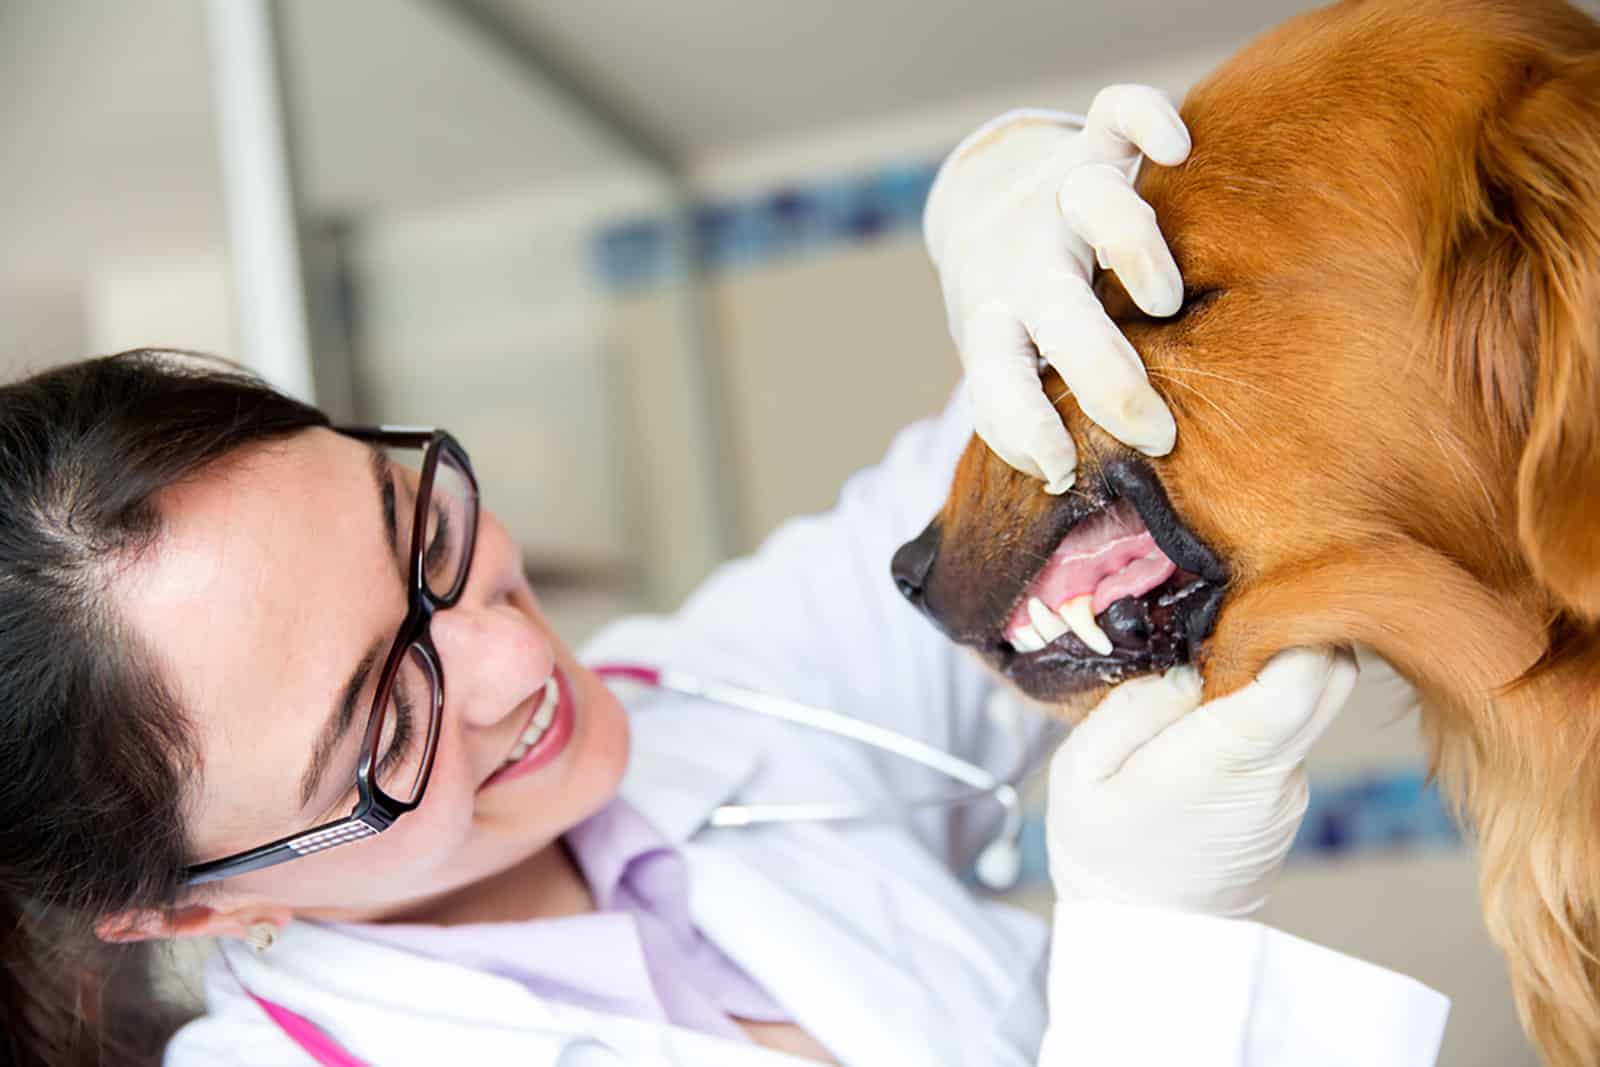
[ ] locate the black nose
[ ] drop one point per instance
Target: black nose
(913, 563)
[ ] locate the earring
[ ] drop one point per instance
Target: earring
(261, 936)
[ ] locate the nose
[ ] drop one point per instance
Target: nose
(913, 563)
(494, 658)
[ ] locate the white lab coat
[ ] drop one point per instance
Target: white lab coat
(859, 930)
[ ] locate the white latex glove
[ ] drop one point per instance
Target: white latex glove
(1156, 800)
(1014, 221)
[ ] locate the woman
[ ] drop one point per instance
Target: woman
(228, 626)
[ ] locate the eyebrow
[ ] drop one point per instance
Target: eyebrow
(337, 727)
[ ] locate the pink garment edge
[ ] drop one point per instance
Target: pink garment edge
(303, 1032)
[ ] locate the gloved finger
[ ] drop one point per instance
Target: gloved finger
(1075, 335)
(1010, 410)
(1125, 120)
(1284, 711)
(1339, 683)
(1122, 723)
(1100, 205)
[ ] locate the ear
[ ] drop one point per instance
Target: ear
(192, 920)
(1521, 266)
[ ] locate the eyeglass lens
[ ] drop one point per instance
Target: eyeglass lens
(409, 716)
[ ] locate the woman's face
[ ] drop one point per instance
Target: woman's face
(274, 577)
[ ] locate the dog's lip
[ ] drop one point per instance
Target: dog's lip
(1131, 477)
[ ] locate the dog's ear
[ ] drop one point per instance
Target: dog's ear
(1517, 295)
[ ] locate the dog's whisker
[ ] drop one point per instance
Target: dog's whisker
(1168, 372)
(1081, 495)
(1220, 410)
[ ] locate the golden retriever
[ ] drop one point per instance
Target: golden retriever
(1386, 377)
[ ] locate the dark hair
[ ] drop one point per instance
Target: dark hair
(94, 750)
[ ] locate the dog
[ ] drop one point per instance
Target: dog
(1386, 378)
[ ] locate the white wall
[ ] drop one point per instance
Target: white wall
(486, 318)
(43, 325)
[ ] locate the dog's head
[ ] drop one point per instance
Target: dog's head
(1386, 378)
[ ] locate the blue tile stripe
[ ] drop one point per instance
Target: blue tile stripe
(1388, 812)
(791, 220)
(1395, 810)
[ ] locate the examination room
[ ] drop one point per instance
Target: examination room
(744, 534)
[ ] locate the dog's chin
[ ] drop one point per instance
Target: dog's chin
(1155, 591)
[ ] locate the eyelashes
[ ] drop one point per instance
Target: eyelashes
(1194, 300)
(1120, 306)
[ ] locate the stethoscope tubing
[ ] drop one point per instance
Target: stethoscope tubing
(981, 784)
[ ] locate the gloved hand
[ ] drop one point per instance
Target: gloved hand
(1014, 221)
(1156, 800)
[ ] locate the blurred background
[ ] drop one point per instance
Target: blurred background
(657, 265)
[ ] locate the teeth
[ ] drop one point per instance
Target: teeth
(1026, 639)
(1047, 622)
(547, 707)
(1078, 614)
(540, 723)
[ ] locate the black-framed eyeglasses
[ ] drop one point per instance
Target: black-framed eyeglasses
(396, 754)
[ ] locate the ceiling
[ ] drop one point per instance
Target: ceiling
(110, 151)
(704, 75)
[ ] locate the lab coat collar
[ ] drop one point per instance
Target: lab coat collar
(689, 758)
(791, 946)
(784, 940)
(365, 996)
(675, 778)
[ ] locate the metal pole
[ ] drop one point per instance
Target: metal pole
(258, 191)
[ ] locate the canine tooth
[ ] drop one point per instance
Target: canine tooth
(543, 718)
(1026, 639)
(1078, 614)
(1045, 621)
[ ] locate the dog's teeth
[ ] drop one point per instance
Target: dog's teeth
(1026, 639)
(1079, 615)
(1045, 621)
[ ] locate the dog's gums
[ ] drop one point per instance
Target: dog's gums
(1137, 593)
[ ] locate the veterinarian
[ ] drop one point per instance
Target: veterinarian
(223, 626)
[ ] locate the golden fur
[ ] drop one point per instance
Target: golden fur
(1387, 386)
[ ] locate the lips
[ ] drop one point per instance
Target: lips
(545, 732)
(1128, 590)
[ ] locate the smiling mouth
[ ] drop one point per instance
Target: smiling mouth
(545, 734)
(1128, 590)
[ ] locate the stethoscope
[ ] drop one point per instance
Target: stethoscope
(999, 863)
